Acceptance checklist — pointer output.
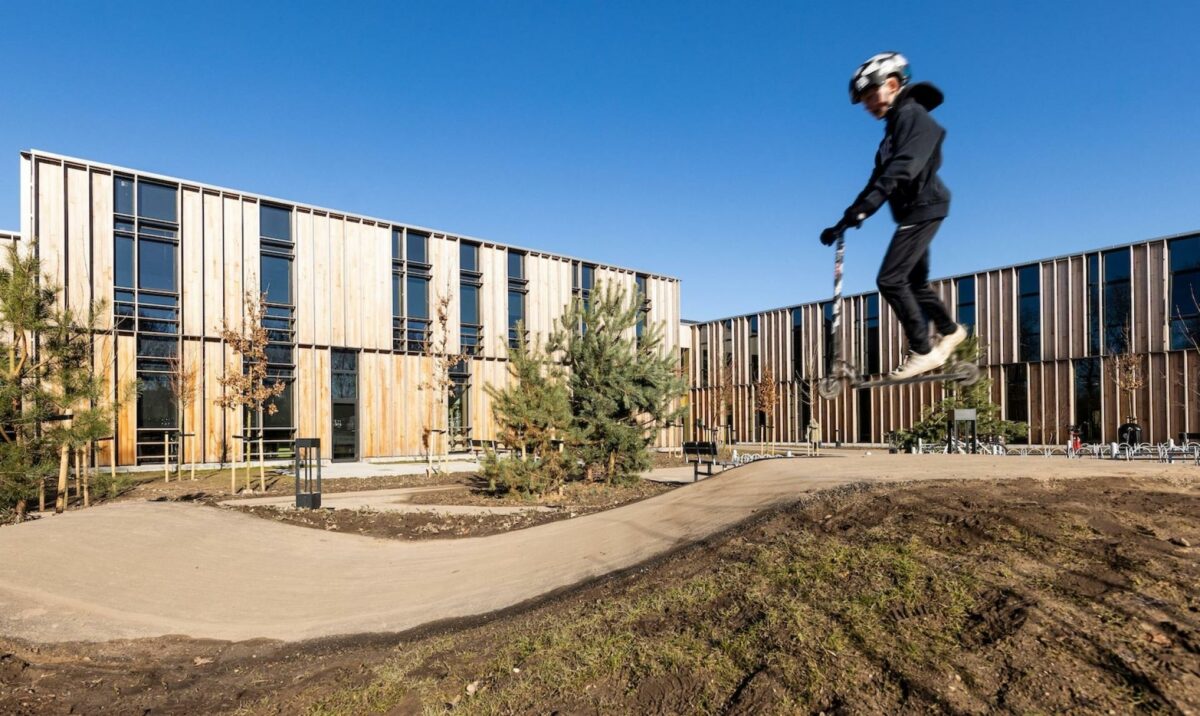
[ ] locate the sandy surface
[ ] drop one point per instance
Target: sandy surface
(151, 569)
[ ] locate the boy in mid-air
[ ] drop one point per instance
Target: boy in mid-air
(906, 178)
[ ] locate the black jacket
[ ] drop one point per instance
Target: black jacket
(907, 162)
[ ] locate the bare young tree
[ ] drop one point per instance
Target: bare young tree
(1129, 376)
(439, 362)
(247, 387)
(766, 398)
(183, 383)
(725, 394)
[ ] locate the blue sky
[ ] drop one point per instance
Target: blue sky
(708, 141)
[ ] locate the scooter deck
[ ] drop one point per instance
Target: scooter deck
(953, 375)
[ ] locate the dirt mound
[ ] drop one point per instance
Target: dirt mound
(949, 597)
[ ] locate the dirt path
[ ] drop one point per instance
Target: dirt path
(151, 569)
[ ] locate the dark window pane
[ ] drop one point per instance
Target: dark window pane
(123, 195)
(155, 404)
(417, 247)
(1118, 304)
(1185, 292)
(275, 222)
(468, 257)
(283, 410)
(516, 265)
(418, 297)
(156, 265)
(397, 245)
(397, 295)
(123, 275)
(155, 347)
(1030, 314)
(469, 296)
(966, 302)
(345, 361)
(864, 416)
(345, 386)
(156, 201)
(516, 308)
(279, 354)
(1093, 304)
(1185, 254)
(1087, 399)
(589, 277)
(1016, 392)
(276, 279)
(827, 314)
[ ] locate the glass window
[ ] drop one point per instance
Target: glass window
(156, 265)
(1029, 329)
(870, 336)
(418, 297)
(275, 222)
(1016, 389)
(1087, 398)
(797, 343)
(1118, 304)
(156, 403)
(827, 315)
(864, 416)
(753, 326)
(468, 257)
(276, 279)
(1093, 304)
(283, 409)
(966, 303)
(156, 201)
(124, 261)
(516, 308)
(516, 264)
(123, 195)
(397, 245)
(1185, 292)
(589, 277)
(417, 247)
(469, 296)
(397, 295)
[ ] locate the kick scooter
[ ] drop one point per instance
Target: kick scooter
(830, 386)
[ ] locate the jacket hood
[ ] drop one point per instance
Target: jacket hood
(923, 93)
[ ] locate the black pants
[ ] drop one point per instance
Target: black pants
(904, 283)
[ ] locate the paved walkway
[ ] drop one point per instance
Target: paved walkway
(142, 569)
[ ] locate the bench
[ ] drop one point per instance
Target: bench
(705, 453)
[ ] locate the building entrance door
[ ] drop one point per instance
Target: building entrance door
(344, 410)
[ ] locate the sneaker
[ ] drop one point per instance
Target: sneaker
(949, 342)
(917, 363)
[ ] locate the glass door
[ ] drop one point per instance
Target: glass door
(344, 408)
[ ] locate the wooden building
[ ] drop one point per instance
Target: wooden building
(350, 299)
(1050, 332)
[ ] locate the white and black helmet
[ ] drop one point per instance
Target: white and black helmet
(875, 72)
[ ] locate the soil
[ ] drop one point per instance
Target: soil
(1069, 596)
(577, 499)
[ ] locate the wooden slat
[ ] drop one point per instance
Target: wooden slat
(102, 245)
(214, 264)
(78, 241)
(231, 269)
(191, 254)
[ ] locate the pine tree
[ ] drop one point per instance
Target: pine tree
(533, 413)
(52, 403)
(622, 389)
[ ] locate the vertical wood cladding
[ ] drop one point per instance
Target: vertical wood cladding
(341, 293)
(1167, 406)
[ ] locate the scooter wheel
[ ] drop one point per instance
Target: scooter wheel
(967, 373)
(829, 388)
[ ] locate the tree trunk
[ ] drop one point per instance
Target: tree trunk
(87, 476)
(166, 457)
(41, 493)
(64, 472)
(21, 507)
(79, 475)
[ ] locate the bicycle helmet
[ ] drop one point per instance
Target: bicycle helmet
(875, 72)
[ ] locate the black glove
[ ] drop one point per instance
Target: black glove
(830, 236)
(861, 210)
